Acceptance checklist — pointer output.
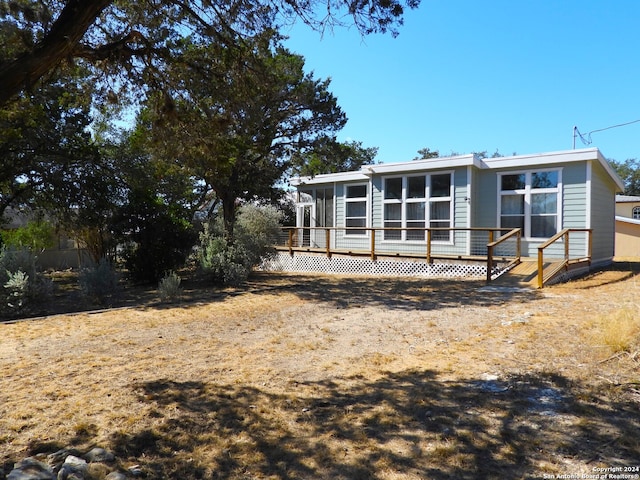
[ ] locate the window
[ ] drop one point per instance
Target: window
(635, 214)
(324, 207)
(530, 201)
(356, 209)
(414, 203)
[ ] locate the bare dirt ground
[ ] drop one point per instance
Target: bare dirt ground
(298, 376)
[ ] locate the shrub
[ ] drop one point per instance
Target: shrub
(256, 231)
(156, 239)
(21, 286)
(169, 287)
(35, 235)
(99, 281)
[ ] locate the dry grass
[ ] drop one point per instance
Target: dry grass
(409, 379)
(620, 330)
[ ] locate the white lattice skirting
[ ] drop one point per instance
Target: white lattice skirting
(283, 262)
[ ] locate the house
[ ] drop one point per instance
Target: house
(627, 226)
(447, 212)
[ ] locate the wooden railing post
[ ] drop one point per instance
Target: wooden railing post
(540, 267)
(373, 244)
(429, 246)
(328, 240)
(566, 246)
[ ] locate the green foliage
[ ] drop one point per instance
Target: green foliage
(237, 135)
(133, 43)
(629, 172)
(21, 286)
(169, 287)
(17, 289)
(99, 281)
(227, 263)
(327, 155)
(45, 145)
(35, 235)
(157, 238)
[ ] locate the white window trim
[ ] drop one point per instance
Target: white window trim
(357, 199)
(427, 200)
(527, 192)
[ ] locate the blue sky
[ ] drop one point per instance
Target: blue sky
(507, 75)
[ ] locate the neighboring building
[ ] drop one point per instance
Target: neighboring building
(627, 226)
(541, 194)
(65, 252)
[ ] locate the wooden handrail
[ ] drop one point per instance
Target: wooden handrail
(564, 233)
(503, 238)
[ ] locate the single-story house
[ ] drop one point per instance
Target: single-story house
(458, 205)
(627, 226)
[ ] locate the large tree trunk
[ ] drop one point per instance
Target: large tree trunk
(58, 44)
(229, 216)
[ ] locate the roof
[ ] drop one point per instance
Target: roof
(627, 199)
(515, 161)
(627, 220)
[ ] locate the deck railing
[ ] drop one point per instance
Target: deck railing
(493, 246)
(460, 243)
(564, 241)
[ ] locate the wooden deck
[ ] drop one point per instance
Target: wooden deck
(525, 274)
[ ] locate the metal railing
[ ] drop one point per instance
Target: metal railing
(568, 255)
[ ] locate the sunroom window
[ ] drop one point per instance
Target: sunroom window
(356, 209)
(531, 201)
(413, 203)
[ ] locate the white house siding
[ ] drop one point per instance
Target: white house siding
(602, 214)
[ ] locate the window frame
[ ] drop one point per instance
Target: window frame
(527, 192)
(635, 213)
(347, 200)
(427, 200)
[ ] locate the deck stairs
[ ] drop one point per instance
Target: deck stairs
(525, 274)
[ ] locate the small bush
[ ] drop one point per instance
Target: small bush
(99, 281)
(17, 289)
(256, 231)
(21, 286)
(169, 287)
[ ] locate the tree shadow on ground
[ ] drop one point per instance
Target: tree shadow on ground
(395, 293)
(410, 424)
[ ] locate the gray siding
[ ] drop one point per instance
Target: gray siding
(574, 196)
(603, 206)
(485, 195)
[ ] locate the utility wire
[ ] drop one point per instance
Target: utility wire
(588, 141)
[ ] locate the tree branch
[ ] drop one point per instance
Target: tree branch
(74, 20)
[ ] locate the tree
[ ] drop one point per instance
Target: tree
(239, 116)
(629, 172)
(44, 143)
(133, 41)
(427, 153)
(327, 155)
(153, 218)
